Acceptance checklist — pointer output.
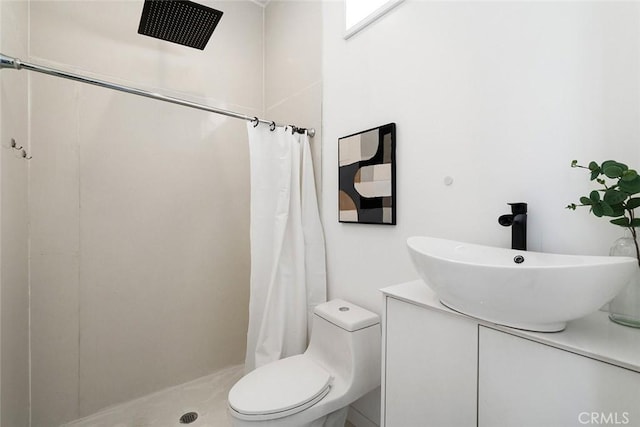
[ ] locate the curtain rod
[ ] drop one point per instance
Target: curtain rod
(15, 63)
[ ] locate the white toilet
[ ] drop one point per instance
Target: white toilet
(341, 364)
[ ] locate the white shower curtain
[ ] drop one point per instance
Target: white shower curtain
(288, 272)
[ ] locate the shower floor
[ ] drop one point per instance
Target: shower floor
(207, 396)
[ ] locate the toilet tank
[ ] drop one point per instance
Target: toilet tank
(346, 340)
(345, 315)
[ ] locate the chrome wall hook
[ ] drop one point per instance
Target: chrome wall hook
(23, 152)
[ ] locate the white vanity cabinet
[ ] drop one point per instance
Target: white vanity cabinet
(525, 383)
(441, 368)
(415, 389)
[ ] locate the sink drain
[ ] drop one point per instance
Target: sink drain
(188, 418)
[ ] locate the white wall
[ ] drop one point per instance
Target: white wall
(139, 209)
(14, 290)
(501, 96)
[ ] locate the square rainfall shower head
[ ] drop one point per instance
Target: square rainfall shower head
(179, 21)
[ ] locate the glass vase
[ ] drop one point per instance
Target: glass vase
(625, 307)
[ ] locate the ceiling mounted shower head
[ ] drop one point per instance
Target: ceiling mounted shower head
(179, 21)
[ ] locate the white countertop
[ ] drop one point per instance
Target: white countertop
(593, 336)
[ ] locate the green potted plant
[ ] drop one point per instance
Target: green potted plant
(617, 198)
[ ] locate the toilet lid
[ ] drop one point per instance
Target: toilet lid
(279, 389)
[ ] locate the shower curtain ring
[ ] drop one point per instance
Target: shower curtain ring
(272, 126)
(256, 122)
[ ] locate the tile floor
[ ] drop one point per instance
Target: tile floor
(207, 396)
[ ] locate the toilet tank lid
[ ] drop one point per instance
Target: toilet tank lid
(346, 315)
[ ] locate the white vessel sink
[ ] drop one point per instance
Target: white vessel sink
(540, 293)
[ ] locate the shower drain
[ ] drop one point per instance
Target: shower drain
(188, 418)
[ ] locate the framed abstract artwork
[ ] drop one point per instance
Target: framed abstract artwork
(367, 176)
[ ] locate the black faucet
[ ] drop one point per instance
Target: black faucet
(517, 220)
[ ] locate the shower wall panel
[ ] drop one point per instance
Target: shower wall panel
(14, 286)
(54, 214)
(140, 240)
(293, 69)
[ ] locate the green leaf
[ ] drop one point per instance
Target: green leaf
(585, 200)
(633, 203)
(618, 209)
(635, 222)
(608, 163)
(630, 187)
(595, 174)
(613, 171)
(594, 166)
(597, 209)
(629, 175)
(613, 197)
(594, 196)
(607, 210)
(623, 222)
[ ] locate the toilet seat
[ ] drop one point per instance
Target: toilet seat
(279, 389)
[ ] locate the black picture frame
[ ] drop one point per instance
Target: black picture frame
(367, 176)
